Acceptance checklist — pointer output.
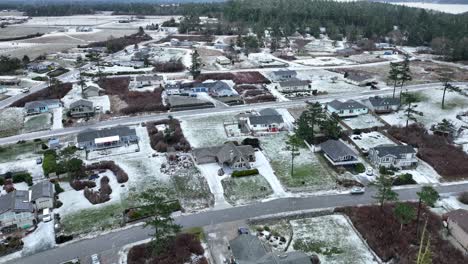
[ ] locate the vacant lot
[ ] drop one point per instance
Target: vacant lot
(91, 220)
(246, 189)
(15, 151)
(37, 122)
(238, 77)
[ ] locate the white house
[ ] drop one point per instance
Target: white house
(294, 86)
(283, 75)
(222, 60)
(383, 104)
(268, 120)
(346, 109)
(398, 156)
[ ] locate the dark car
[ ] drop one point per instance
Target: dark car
(243, 231)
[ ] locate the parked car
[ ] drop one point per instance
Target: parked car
(243, 231)
(39, 161)
(370, 172)
(95, 259)
(93, 177)
(25, 90)
(358, 190)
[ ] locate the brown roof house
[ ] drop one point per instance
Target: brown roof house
(227, 155)
(457, 222)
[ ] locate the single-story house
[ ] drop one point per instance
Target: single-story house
(81, 108)
(359, 79)
(44, 106)
(43, 195)
(398, 156)
(457, 223)
(9, 81)
(91, 91)
(184, 43)
(249, 249)
(145, 80)
(338, 153)
(220, 89)
(294, 86)
(283, 75)
(346, 52)
(222, 60)
(179, 103)
(91, 139)
(229, 155)
(384, 104)
(41, 67)
(268, 120)
(346, 109)
(199, 88)
(172, 88)
(17, 210)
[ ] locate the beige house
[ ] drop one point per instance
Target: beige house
(457, 222)
(43, 195)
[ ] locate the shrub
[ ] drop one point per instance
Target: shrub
(49, 164)
(119, 173)
(244, 173)
(23, 177)
(96, 197)
(254, 142)
(2, 181)
(58, 204)
(78, 185)
(386, 171)
(58, 188)
(360, 168)
(463, 198)
(404, 179)
(161, 142)
(170, 66)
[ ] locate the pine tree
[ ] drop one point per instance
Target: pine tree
(405, 74)
(428, 195)
(410, 111)
(404, 213)
(424, 252)
(196, 64)
(311, 119)
(394, 75)
(384, 192)
(294, 142)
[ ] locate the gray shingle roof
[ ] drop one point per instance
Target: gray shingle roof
(148, 78)
(91, 134)
(247, 248)
(36, 104)
(350, 104)
(377, 101)
(293, 82)
(43, 189)
(16, 201)
(222, 153)
(358, 77)
(81, 102)
(336, 149)
(266, 119)
(285, 72)
(384, 150)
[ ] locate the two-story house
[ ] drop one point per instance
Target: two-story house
(398, 156)
(16, 210)
(43, 195)
(81, 108)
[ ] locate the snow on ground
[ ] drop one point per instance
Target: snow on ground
(322, 80)
(362, 122)
(264, 168)
(287, 117)
(26, 164)
(333, 233)
(366, 141)
(210, 172)
(423, 173)
(41, 239)
(21, 186)
(57, 118)
(272, 88)
(75, 95)
(102, 101)
(430, 106)
(451, 203)
(11, 118)
(323, 61)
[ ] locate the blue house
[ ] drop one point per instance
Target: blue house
(199, 89)
(44, 106)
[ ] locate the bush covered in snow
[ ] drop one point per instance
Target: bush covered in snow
(172, 136)
(101, 196)
(119, 173)
(184, 249)
(448, 160)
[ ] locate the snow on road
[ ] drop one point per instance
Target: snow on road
(41, 239)
(57, 121)
(264, 168)
(210, 172)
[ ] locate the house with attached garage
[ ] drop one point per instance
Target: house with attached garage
(219, 89)
(267, 120)
(383, 104)
(172, 88)
(294, 86)
(457, 224)
(43, 195)
(227, 155)
(119, 136)
(346, 109)
(16, 210)
(283, 75)
(81, 108)
(91, 91)
(398, 156)
(39, 107)
(338, 153)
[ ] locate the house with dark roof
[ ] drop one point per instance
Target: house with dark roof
(43, 195)
(148, 80)
(227, 155)
(249, 249)
(39, 107)
(383, 104)
(81, 108)
(293, 86)
(398, 156)
(457, 224)
(118, 136)
(91, 91)
(283, 75)
(346, 109)
(219, 89)
(338, 153)
(267, 120)
(16, 210)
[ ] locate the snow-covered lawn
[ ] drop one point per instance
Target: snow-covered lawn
(362, 122)
(247, 189)
(431, 106)
(323, 61)
(264, 168)
(27, 164)
(310, 170)
(41, 239)
(451, 203)
(210, 172)
(366, 141)
(423, 173)
(11, 121)
(57, 118)
(37, 122)
(327, 81)
(332, 238)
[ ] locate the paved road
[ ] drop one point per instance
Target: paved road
(132, 120)
(109, 244)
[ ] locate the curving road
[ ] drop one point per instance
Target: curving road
(109, 244)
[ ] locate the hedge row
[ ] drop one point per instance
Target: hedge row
(120, 174)
(244, 173)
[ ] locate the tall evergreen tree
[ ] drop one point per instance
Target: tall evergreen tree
(410, 111)
(309, 121)
(196, 64)
(404, 213)
(428, 196)
(294, 143)
(384, 192)
(394, 75)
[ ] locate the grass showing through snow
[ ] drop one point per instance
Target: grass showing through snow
(246, 189)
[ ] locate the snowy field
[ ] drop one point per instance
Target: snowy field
(323, 61)
(447, 8)
(245, 190)
(326, 81)
(332, 238)
(38, 122)
(11, 121)
(431, 106)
